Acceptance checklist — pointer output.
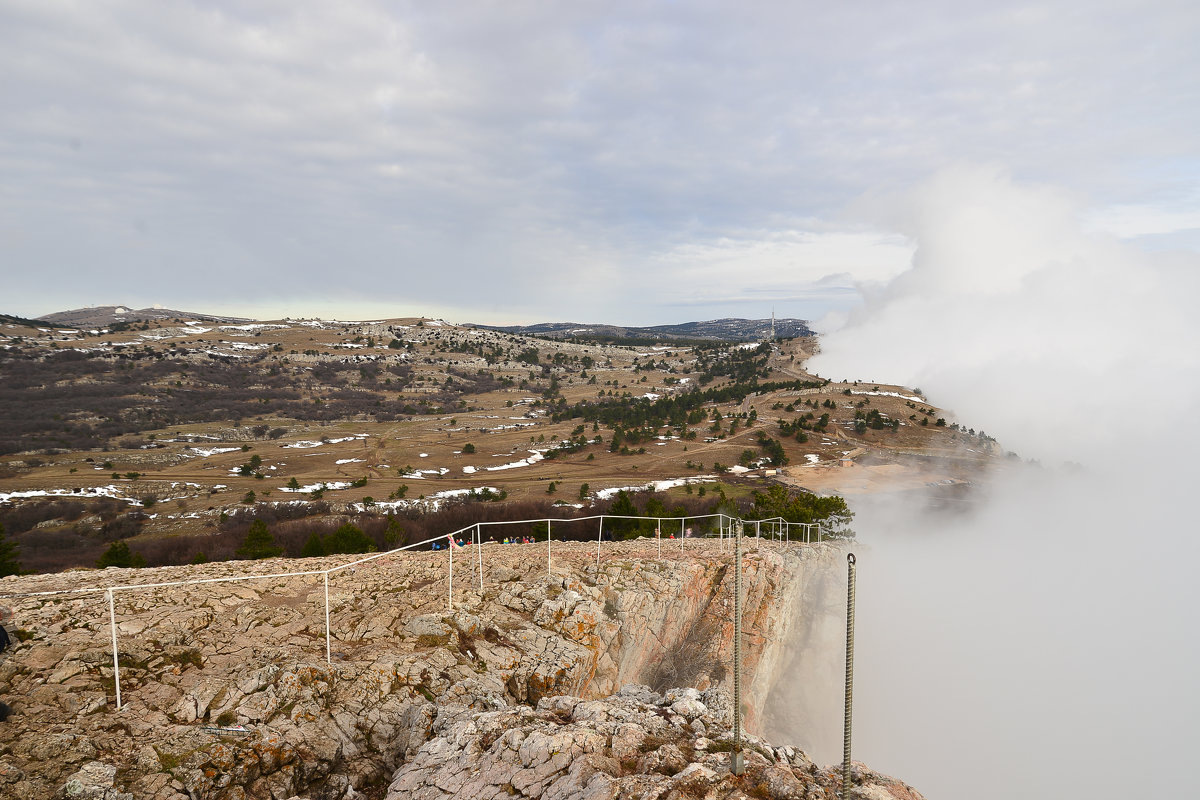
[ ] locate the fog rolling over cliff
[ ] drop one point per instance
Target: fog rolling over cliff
(1038, 644)
(806, 674)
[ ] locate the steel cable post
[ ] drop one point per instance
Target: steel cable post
(847, 787)
(736, 532)
(112, 622)
(328, 656)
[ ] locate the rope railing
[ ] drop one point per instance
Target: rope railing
(779, 532)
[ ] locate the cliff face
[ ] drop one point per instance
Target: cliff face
(798, 689)
(196, 660)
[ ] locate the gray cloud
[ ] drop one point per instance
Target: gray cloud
(457, 157)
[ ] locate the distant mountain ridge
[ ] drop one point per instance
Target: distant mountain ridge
(103, 316)
(9, 319)
(727, 330)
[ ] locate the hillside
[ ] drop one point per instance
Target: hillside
(106, 316)
(9, 320)
(173, 435)
(725, 330)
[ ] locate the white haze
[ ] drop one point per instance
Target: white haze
(1042, 642)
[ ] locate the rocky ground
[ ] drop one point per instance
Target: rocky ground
(634, 744)
(499, 696)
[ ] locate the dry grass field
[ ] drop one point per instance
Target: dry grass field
(190, 422)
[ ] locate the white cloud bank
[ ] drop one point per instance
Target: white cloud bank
(1014, 317)
(1038, 643)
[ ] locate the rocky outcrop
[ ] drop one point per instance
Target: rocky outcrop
(635, 744)
(227, 692)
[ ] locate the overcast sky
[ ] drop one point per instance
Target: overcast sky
(636, 163)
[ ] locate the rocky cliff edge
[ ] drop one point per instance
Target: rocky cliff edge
(517, 691)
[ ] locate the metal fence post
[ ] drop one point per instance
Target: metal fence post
(847, 778)
(736, 766)
(599, 536)
(479, 547)
(450, 587)
(547, 548)
(328, 656)
(112, 623)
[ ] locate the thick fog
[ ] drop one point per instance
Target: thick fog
(1040, 641)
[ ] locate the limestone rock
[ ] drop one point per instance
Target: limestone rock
(618, 747)
(498, 697)
(93, 781)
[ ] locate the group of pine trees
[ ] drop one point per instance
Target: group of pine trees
(259, 543)
(8, 556)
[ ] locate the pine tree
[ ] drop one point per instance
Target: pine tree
(119, 555)
(395, 533)
(8, 556)
(348, 539)
(259, 543)
(623, 506)
(313, 547)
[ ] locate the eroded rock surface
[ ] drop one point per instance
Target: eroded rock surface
(406, 673)
(634, 744)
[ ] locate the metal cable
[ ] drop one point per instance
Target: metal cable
(847, 787)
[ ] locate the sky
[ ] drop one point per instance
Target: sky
(633, 163)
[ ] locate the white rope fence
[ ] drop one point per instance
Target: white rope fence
(775, 529)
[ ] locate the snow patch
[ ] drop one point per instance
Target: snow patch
(655, 486)
(115, 492)
(309, 444)
(464, 492)
(892, 394)
(312, 487)
(212, 451)
(536, 456)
